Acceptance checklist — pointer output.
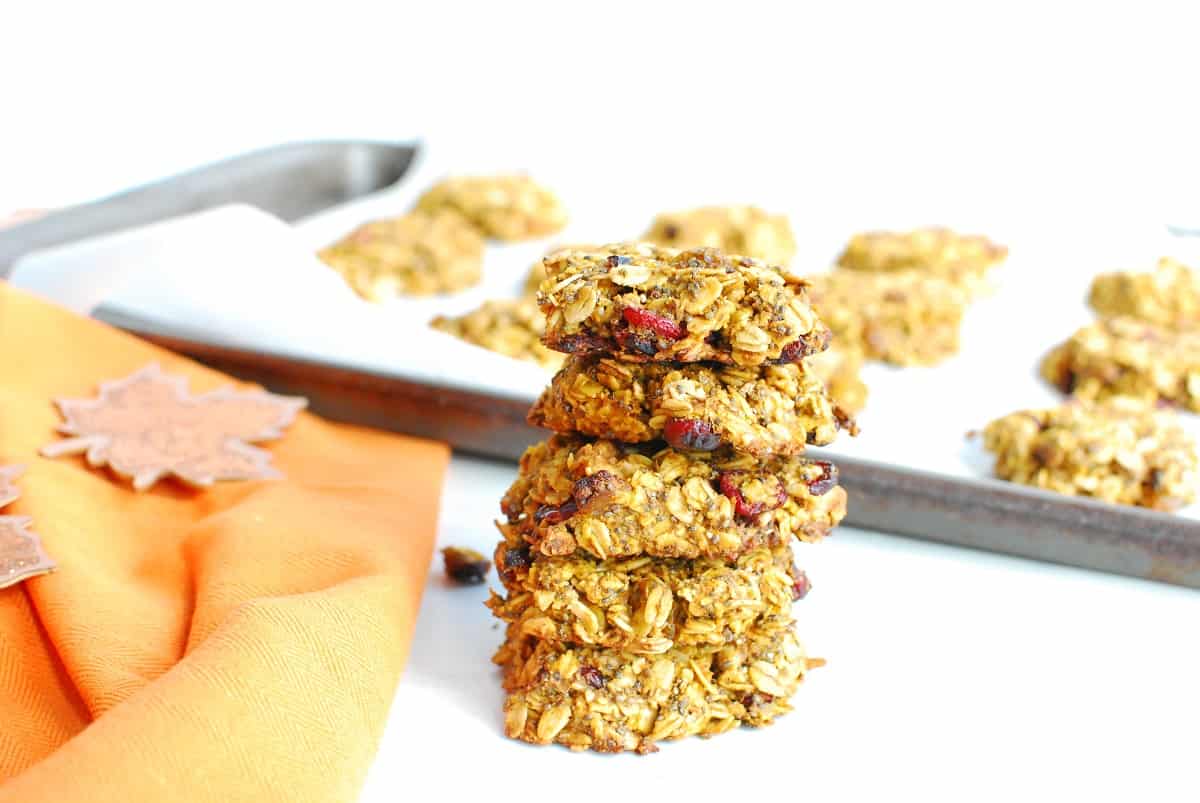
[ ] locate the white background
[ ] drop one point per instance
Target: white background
(953, 675)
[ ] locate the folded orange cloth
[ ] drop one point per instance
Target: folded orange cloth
(236, 643)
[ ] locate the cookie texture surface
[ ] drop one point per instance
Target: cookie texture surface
(1120, 450)
(841, 371)
(936, 251)
(904, 318)
(646, 303)
(512, 327)
(501, 207)
(1128, 357)
(744, 230)
(1167, 296)
(415, 254)
(771, 410)
(612, 700)
(642, 605)
(615, 500)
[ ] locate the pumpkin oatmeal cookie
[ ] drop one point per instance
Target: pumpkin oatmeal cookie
(841, 371)
(774, 409)
(504, 207)
(643, 605)
(612, 701)
(905, 318)
(615, 500)
(744, 230)
(513, 327)
(935, 251)
(415, 254)
(1168, 296)
(1120, 450)
(647, 303)
(1128, 357)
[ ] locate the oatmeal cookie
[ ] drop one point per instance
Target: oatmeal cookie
(612, 701)
(1127, 357)
(771, 410)
(615, 500)
(645, 605)
(905, 318)
(1169, 296)
(648, 303)
(744, 230)
(504, 207)
(936, 251)
(513, 327)
(841, 371)
(1119, 450)
(415, 254)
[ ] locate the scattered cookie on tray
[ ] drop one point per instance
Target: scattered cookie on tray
(415, 254)
(937, 251)
(775, 409)
(905, 318)
(1167, 296)
(644, 605)
(1128, 357)
(591, 698)
(613, 500)
(501, 207)
(513, 327)
(1120, 450)
(744, 230)
(841, 371)
(647, 303)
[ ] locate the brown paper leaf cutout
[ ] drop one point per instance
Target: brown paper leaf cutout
(148, 426)
(8, 491)
(21, 552)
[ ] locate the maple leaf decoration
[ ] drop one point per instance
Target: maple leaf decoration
(148, 426)
(21, 552)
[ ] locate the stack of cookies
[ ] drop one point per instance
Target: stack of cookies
(647, 544)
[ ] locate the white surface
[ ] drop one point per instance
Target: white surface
(953, 675)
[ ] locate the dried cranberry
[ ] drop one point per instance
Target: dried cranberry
(827, 481)
(633, 342)
(517, 557)
(580, 344)
(591, 675)
(797, 350)
(555, 514)
(465, 566)
(800, 585)
(594, 486)
(645, 319)
(670, 231)
(741, 507)
(692, 434)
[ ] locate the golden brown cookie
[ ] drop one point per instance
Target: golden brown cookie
(512, 327)
(612, 701)
(770, 410)
(935, 251)
(647, 303)
(1119, 450)
(415, 254)
(615, 500)
(503, 207)
(1128, 357)
(841, 371)
(744, 230)
(1168, 296)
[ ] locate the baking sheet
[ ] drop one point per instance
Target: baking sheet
(239, 277)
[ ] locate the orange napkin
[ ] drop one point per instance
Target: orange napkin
(238, 643)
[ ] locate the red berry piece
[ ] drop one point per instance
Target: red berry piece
(691, 434)
(800, 585)
(645, 319)
(591, 675)
(826, 482)
(741, 507)
(555, 514)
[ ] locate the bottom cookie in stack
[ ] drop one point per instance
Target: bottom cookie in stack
(613, 700)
